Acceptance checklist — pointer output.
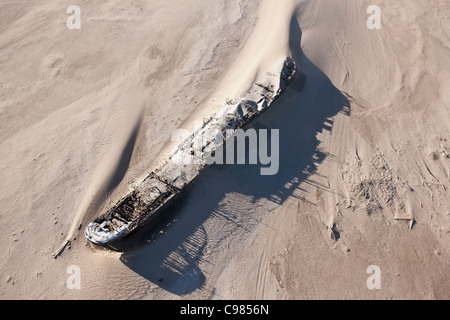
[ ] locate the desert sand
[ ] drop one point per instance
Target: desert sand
(364, 148)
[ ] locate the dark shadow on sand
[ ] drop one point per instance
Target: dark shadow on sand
(172, 260)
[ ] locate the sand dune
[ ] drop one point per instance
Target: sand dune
(364, 151)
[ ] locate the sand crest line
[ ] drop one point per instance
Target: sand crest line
(114, 161)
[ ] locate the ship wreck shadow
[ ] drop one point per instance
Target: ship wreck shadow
(178, 257)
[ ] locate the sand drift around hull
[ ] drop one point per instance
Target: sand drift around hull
(167, 183)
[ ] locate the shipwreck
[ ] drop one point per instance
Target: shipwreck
(162, 187)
